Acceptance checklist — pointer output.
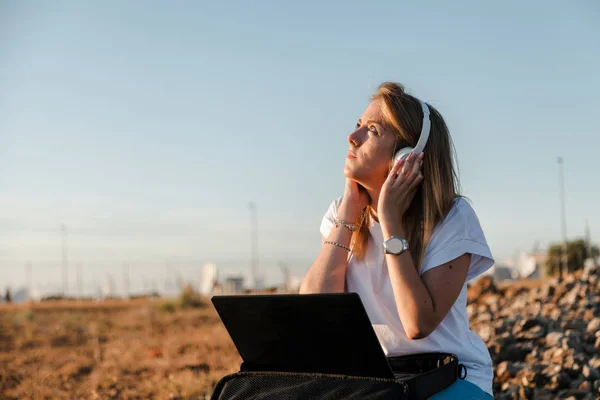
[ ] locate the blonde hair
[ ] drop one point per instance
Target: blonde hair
(435, 196)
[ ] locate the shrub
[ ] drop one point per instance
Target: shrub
(167, 306)
(189, 298)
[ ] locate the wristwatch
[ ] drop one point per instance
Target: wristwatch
(395, 246)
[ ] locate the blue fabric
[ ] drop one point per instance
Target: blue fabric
(463, 390)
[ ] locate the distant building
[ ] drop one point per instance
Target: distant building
(502, 272)
(530, 265)
(21, 295)
(233, 284)
(259, 284)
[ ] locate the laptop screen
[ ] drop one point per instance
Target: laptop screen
(320, 333)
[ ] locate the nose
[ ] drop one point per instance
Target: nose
(354, 139)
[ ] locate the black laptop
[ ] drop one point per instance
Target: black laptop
(322, 333)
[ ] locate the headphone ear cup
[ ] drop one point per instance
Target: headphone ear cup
(402, 153)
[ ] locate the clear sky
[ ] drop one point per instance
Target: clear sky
(147, 127)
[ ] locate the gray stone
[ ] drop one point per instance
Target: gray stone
(590, 373)
(508, 369)
(590, 349)
(554, 339)
(544, 342)
(586, 386)
(573, 341)
(560, 381)
(542, 394)
(572, 394)
(537, 332)
(576, 383)
(594, 362)
(486, 333)
(593, 326)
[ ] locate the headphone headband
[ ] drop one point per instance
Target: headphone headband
(404, 152)
(424, 129)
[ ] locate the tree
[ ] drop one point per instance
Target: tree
(576, 255)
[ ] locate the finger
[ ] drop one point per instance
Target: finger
(417, 164)
(406, 170)
(411, 174)
(416, 182)
(394, 172)
(411, 161)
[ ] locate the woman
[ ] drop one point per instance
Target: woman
(403, 238)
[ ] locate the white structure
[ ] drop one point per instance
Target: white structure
(259, 283)
(293, 284)
(108, 289)
(209, 279)
(530, 265)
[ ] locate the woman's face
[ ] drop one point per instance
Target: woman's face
(371, 147)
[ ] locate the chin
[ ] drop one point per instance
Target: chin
(349, 172)
(363, 178)
(355, 175)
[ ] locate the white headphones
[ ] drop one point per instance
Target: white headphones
(405, 151)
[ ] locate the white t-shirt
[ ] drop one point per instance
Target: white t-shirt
(459, 233)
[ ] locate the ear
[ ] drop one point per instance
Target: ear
(402, 153)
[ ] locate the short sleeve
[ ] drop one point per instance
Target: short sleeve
(330, 215)
(459, 233)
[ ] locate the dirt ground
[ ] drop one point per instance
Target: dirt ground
(137, 349)
(116, 349)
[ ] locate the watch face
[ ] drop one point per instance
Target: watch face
(394, 245)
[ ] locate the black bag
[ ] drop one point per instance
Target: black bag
(297, 347)
(418, 376)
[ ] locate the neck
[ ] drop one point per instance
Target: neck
(374, 196)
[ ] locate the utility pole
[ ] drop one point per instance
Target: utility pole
(254, 230)
(65, 282)
(28, 280)
(167, 284)
(588, 239)
(564, 268)
(126, 280)
(79, 279)
(286, 276)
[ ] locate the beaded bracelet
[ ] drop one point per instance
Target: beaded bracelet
(347, 224)
(343, 246)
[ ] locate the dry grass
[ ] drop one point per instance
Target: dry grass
(112, 350)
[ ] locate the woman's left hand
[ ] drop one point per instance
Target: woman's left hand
(399, 188)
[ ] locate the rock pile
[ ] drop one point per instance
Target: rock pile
(544, 341)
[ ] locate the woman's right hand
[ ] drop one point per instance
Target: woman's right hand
(355, 199)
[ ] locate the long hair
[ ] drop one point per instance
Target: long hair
(435, 196)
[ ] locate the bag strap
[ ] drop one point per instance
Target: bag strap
(433, 372)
